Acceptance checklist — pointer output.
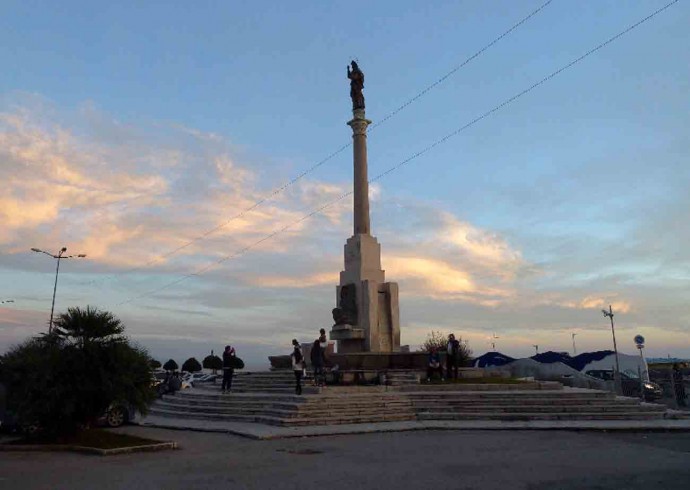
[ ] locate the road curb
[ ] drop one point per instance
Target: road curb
(161, 446)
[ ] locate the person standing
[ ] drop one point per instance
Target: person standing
(317, 362)
(679, 389)
(323, 343)
(452, 354)
(297, 365)
(228, 368)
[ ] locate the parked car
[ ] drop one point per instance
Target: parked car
(630, 385)
(117, 414)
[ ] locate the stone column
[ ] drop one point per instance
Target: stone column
(359, 125)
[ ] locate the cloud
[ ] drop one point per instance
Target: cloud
(127, 194)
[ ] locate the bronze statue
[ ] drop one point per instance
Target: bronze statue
(356, 85)
(346, 312)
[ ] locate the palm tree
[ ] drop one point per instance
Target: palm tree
(90, 325)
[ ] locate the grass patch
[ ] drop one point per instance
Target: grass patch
(95, 438)
(476, 381)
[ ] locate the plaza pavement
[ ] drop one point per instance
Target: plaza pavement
(470, 459)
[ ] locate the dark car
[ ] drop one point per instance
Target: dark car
(630, 385)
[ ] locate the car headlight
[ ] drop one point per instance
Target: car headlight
(650, 386)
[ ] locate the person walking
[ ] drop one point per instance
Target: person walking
(228, 368)
(297, 365)
(452, 354)
(317, 362)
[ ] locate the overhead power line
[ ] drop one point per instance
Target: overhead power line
(309, 170)
(409, 159)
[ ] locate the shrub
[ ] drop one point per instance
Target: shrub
(155, 364)
(439, 340)
(212, 362)
(67, 379)
(170, 365)
(191, 365)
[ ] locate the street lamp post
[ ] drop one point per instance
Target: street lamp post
(617, 377)
(59, 256)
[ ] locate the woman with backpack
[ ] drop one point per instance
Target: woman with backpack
(297, 365)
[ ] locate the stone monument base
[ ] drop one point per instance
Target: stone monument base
(374, 361)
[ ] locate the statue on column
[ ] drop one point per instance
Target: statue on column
(356, 85)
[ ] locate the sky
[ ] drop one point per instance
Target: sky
(144, 134)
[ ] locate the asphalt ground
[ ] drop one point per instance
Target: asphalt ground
(402, 460)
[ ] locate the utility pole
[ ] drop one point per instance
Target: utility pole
(574, 350)
(59, 256)
(617, 374)
(493, 342)
(536, 348)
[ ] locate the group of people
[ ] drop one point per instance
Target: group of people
(317, 357)
(452, 360)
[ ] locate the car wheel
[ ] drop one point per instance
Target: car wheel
(116, 417)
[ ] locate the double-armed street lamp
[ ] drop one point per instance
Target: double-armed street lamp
(6, 301)
(617, 374)
(59, 256)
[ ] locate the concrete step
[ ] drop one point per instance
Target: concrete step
(539, 409)
(541, 416)
(217, 417)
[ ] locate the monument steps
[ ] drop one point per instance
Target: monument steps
(526, 416)
(612, 408)
(370, 405)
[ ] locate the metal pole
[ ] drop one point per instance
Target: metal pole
(574, 350)
(644, 363)
(639, 375)
(52, 308)
(615, 349)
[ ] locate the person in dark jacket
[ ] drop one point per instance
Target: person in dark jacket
(228, 368)
(317, 362)
(297, 365)
(452, 355)
(434, 365)
(678, 386)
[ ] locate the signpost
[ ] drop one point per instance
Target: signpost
(639, 342)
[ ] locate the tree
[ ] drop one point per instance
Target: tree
(191, 365)
(155, 364)
(212, 362)
(439, 340)
(68, 379)
(84, 326)
(170, 365)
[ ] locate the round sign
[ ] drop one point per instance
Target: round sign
(639, 339)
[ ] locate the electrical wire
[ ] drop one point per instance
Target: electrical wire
(309, 170)
(414, 156)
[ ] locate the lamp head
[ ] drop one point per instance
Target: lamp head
(81, 256)
(36, 250)
(64, 249)
(606, 313)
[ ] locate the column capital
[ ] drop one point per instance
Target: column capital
(359, 123)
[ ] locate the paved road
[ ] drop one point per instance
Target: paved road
(445, 460)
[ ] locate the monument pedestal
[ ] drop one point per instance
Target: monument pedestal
(367, 300)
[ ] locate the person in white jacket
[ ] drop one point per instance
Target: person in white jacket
(297, 365)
